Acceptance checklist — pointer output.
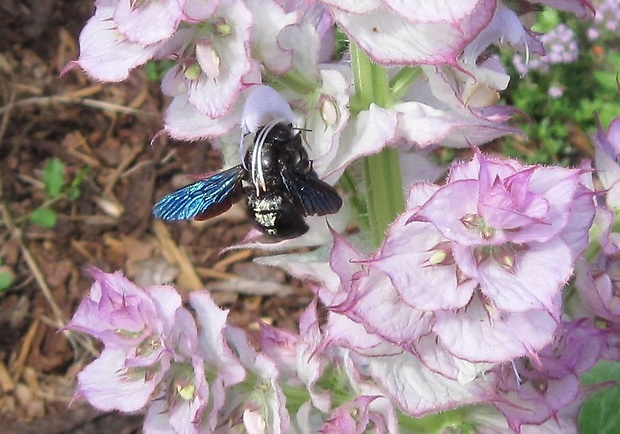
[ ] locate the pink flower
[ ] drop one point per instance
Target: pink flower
(106, 53)
(270, 20)
(401, 375)
(134, 326)
(486, 256)
(131, 17)
(182, 400)
(353, 417)
(504, 222)
(156, 356)
(504, 29)
(263, 404)
(119, 313)
(405, 33)
(109, 384)
(300, 358)
(424, 126)
(303, 361)
(212, 347)
(607, 161)
(214, 59)
(598, 285)
(533, 393)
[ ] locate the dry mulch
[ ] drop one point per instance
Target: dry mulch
(107, 130)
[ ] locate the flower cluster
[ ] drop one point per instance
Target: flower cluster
(462, 302)
(606, 22)
(450, 300)
(597, 275)
(560, 46)
(157, 356)
(220, 50)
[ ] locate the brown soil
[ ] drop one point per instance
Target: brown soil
(106, 130)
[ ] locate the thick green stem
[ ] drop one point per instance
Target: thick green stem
(384, 191)
(295, 80)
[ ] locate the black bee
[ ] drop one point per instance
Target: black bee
(277, 179)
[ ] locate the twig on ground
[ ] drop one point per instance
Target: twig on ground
(124, 164)
(239, 256)
(60, 320)
(7, 115)
(188, 277)
(42, 101)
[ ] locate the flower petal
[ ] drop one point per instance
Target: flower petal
(134, 18)
(371, 131)
(107, 384)
(269, 21)
(105, 53)
(407, 258)
(434, 37)
(263, 105)
(183, 121)
(476, 335)
(533, 280)
(423, 126)
(419, 391)
(212, 344)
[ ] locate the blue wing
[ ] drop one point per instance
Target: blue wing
(203, 199)
(311, 195)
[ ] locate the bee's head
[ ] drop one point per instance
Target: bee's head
(277, 133)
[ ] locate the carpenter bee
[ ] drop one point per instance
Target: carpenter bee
(277, 179)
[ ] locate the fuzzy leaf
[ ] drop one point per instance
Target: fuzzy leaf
(44, 217)
(7, 278)
(54, 177)
(600, 412)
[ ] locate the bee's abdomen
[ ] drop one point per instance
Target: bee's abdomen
(274, 215)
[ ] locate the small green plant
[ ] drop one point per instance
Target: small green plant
(7, 278)
(156, 69)
(569, 87)
(56, 188)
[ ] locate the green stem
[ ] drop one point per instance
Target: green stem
(384, 192)
(401, 81)
(362, 76)
(448, 421)
(295, 80)
(295, 397)
(382, 175)
(358, 202)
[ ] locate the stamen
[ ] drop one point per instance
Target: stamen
(516, 372)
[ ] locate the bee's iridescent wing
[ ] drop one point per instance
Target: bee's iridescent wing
(311, 195)
(202, 199)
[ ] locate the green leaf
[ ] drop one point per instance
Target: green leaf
(156, 69)
(608, 112)
(7, 278)
(44, 217)
(74, 187)
(608, 80)
(614, 59)
(600, 414)
(546, 20)
(54, 177)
